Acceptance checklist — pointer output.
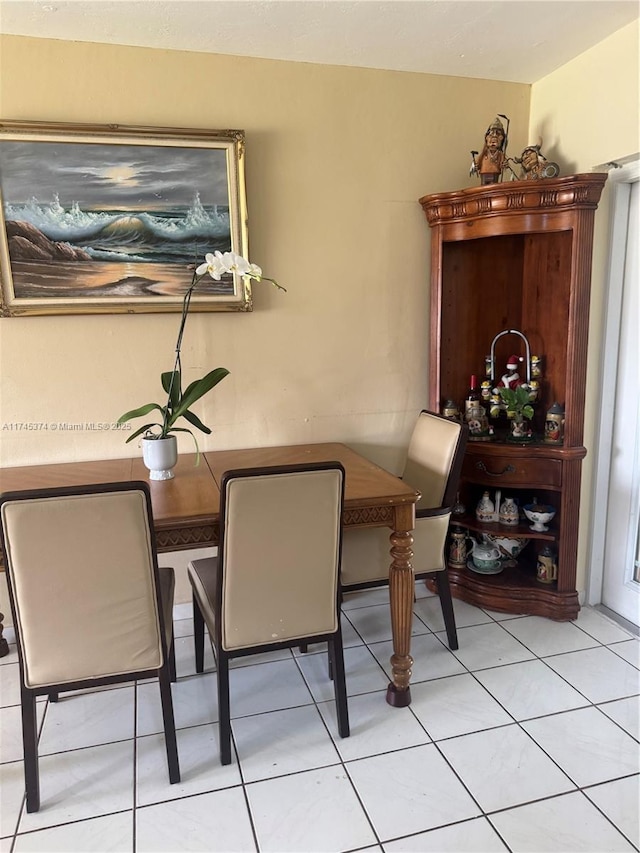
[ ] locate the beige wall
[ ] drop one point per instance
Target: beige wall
(586, 114)
(336, 160)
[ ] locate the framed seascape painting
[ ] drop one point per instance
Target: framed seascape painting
(112, 219)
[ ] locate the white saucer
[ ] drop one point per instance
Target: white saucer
(471, 565)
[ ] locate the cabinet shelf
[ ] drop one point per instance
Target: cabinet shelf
(517, 256)
(523, 529)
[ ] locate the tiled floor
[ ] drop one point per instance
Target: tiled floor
(526, 739)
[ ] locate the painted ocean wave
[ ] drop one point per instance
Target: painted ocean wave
(170, 236)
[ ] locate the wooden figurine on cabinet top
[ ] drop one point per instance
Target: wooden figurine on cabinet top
(535, 165)
(491, 161)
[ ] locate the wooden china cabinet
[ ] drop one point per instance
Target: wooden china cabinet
(504, 257)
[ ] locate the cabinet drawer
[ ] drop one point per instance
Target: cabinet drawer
(511, 471)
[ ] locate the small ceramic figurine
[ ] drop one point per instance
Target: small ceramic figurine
(536, 366)
(508, 512)
(491, 161)
(485, 391)
(534, 390)
(485, 511)
(511, 379)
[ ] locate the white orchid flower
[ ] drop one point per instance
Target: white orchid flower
(212, 265)
(233, 263)
(218, 264)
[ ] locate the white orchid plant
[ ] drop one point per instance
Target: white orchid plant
(178, 404)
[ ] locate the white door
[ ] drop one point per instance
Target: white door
(618, 492)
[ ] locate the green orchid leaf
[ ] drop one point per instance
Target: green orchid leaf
(195, 421)
(138, 413)
(174, 388)
(527, 411)
(198, 389)
(182, 429)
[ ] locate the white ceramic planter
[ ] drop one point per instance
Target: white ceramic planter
(160, 456)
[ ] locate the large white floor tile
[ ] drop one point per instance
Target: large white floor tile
(363, 674)
(619, 801)
(11, 731)
(546, 637)
(588, 746)
(598, 674)
(10, 684)
(484, 646)
(629, 650)
(470, 836)
(109, 834)
(200, 768)
(431, 658)
(530, 689)
(283, 742)
(410, 791)
(569, 823)
(504, 767)
(83, 783)
(268, 687)
(429, 610)
(598, 625)
(195, 702)
(366, 598)
(626, 713)
(350, 637)
(88, 719)
(217, 822)
(315, 812)
(375, 727)
(185, 656)
(454, 706)
(11, 796)
(373, 624)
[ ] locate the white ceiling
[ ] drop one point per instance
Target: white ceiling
(513, 40)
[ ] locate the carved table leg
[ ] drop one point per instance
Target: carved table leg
(401, 593)
(4, 646)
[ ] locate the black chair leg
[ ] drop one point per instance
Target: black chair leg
(53, 696)
(339, 683)
(30, 745)
(444, 591)
(171, 660)
(198, 635)
(304, 648)
(224, 710)
(169, 724)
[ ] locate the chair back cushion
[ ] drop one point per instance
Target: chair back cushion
(432, 451)
(279, 554)
(83, 583)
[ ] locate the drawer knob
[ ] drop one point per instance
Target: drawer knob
(508, 469)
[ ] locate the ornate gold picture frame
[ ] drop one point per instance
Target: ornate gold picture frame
(113, 218)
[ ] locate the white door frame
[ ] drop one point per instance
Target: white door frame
(621, 180)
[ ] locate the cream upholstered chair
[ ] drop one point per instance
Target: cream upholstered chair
(276, 580)
(90, 606)
(433, 465)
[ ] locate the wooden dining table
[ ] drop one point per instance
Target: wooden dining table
(186, 513)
